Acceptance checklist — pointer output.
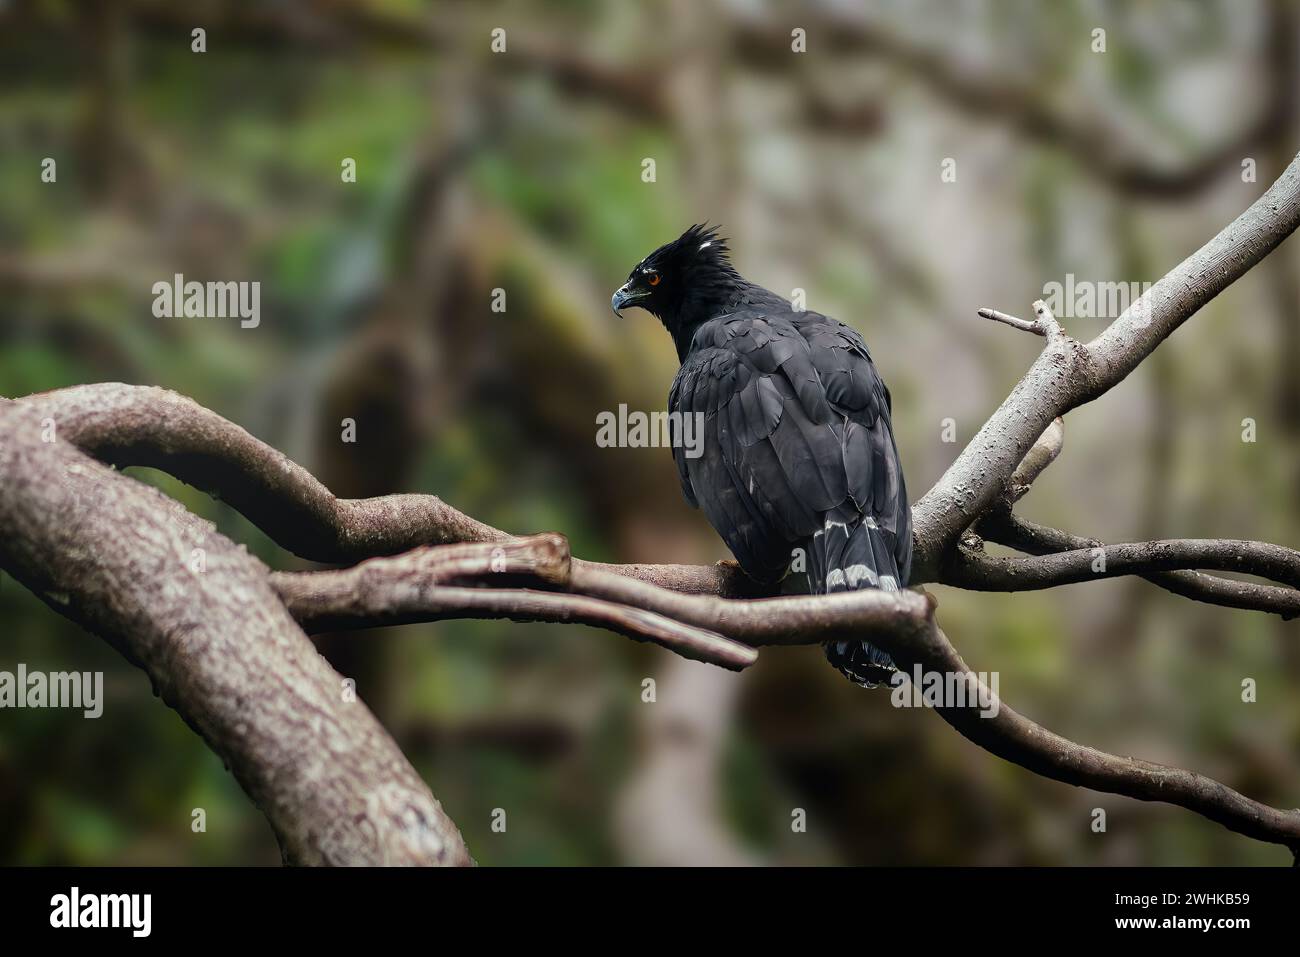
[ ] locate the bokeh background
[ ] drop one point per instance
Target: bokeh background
(522, 170)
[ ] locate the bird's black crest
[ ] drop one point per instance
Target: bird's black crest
(700, 252)
(685, 282)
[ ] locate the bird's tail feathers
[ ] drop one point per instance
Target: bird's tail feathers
(849, 553)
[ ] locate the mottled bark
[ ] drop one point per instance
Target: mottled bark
(196, 612)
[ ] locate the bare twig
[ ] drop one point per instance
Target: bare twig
(1015, 322)
(1043, 324)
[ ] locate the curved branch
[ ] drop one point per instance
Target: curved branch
(162, 586)
(973, 568)
(126, 425)
(1016, 532)
(141, 425)
(1021, 741)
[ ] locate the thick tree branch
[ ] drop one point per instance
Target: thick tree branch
(137, 425)
(163, 587)
(128, 425)
(1068, 373)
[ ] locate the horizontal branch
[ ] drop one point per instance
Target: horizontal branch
(973, 568)
(1012, 530)
(433, 584)
(788, 620)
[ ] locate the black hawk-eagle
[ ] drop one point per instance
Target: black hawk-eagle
(798, 450)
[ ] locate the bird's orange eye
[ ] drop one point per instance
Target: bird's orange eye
(654, 280)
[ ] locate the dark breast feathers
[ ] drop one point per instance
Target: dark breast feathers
(796, 434)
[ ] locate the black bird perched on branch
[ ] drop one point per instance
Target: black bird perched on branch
(798, 451)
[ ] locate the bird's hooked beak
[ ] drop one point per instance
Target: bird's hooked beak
(626, 296)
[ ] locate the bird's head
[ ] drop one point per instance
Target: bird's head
(683, 282)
